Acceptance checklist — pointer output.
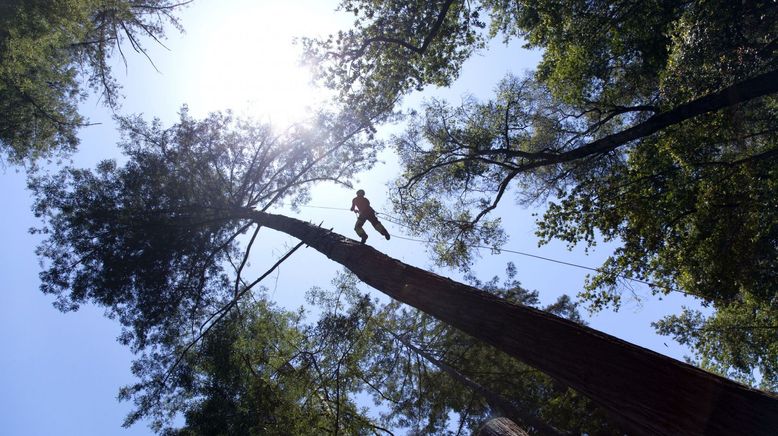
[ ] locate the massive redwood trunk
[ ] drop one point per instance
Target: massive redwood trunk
(652, 393)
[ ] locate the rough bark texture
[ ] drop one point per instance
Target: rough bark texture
(651, 393)
(501, 427)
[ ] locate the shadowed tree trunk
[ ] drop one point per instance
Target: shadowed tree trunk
(649, 392)
(501, 427)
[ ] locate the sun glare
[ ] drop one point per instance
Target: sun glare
(252, 66)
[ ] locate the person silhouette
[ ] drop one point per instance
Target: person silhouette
(361, 206)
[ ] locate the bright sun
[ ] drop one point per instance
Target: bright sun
(252, 66)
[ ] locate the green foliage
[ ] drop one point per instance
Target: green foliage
(458, 162)
(716, 43)
(694, 209)
(739, 341)
(264, 370)
(260, 371)
(604, 51)
(393, 47)
(51, 52)
(622, 53)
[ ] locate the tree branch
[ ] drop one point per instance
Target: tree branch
(223, 312)
(391, 40)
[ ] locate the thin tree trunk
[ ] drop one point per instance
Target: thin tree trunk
(651, 393)
(495, 400)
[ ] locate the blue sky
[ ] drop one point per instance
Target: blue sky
(60, 373)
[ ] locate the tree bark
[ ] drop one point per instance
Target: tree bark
(650, 393)
(501, 427)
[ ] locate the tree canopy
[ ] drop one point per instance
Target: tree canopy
(52, 51)
(627, 53)
(147, 240)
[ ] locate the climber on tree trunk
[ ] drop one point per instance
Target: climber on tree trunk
(361, 206)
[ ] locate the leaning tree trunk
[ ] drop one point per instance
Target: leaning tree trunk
(649, 392)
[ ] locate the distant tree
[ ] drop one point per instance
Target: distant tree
(52, 51)
(155, 242)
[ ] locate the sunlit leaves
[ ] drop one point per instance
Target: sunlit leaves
(51, 52)
(395, 47)
(459, 162)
